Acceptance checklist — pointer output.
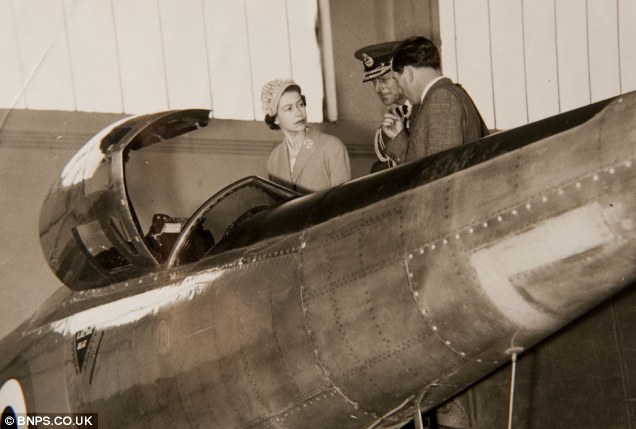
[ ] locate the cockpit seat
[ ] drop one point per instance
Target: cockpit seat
(163, 234)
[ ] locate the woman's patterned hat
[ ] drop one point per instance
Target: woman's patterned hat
(271, 93)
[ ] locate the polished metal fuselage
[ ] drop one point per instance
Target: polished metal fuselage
(351, 310)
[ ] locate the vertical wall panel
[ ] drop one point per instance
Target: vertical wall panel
(11, 83)
(508, 71)
(473, 54)
(93, 51)
(627, 36)
(603, 45)
(149, 55)
(44, 54)
(182, 26)
(572, 50)
(448, 48)
(228, 60)
(305, 53)
(542, 81)
(268, 35)
(140, 55)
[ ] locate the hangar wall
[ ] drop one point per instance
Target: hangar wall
(522, 61)
(154, 55)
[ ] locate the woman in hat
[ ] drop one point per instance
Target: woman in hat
(307, 160)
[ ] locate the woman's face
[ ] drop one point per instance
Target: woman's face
(291, 115)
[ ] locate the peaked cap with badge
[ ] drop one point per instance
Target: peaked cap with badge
(376, 59)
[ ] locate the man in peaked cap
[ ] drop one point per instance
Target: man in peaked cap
(376, 59)
(377, 69)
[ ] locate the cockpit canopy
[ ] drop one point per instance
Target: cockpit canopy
(90, 232)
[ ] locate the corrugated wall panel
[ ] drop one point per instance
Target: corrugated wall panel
(627, 36)
(449, 45)
(184, 49)
(10, 73)
(306, 63)
(141, 57)
(149, 55)
(268, 33)
(474, 72)
(572, 54)
(44, 55)
(603, 45)
(508, 65)
(229, 60)
(93, 52)
(547, 56)
(540, 57)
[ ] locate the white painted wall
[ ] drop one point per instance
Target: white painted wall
(141, 56)
(521, 60)
(524, 60)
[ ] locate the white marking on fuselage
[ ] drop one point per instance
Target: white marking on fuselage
(553, 240)
(132, 308)
(11, 395)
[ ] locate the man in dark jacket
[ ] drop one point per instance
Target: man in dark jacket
(446, 116)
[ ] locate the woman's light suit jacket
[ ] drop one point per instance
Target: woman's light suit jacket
(322, 162)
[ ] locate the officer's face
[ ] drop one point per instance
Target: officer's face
(291, 114)
(387, 89)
